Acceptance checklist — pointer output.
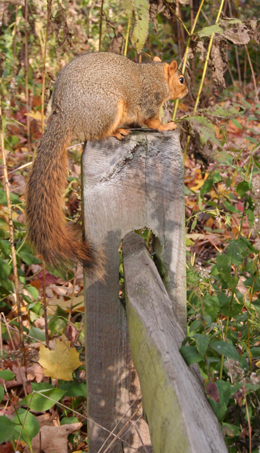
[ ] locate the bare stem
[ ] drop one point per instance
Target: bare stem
(49, 3)
(253, 73)
(26, 64)
(45, 303)
(100, 25)
(185, 58)
(127, 36)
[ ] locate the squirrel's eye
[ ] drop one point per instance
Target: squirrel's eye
(181, 79)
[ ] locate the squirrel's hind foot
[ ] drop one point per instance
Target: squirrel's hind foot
(120, 133)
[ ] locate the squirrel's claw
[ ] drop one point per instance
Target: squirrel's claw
(120, 133)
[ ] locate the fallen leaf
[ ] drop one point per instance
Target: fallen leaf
(61, 362)
(35, 372)
(53, 438)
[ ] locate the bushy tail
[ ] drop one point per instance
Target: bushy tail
(55, 240)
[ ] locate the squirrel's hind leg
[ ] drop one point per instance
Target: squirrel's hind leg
(114, 130)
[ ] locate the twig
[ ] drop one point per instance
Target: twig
(45, 303)
(185, 58)
(139, 435)
(11, 231)
(1, 345)
(116, 438)
(83, 417)
(204, 74)
(49, 3)
(127, 36)
(178, 18)
(248, 420)
(15, 29)
(73, 293)
(26, 63)
(112, 432)
(100, 25)
(253, 73)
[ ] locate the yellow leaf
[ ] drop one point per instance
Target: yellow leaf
(61, 362)
(36, 115)
(258, 364)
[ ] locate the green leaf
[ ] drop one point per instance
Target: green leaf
(230, 430)
(223, 112)
(235, 252)
(29, 259)
(202, 342)
(6, 247)
(39, 403)
(253, 282)
(2, 392)
(242, 188)
(6, 428)
(236, 123)
(33, 291)
(37, 333)
(141, 8)
(207, 186)
(68, 420)
(211, 306)
(7, 375)
(73, 388)
(224, 267)
(128, 8)
(190, 354)
(220, 408)
(224, 390)
(216, 177)
(27, 424)
(226, 349)
(230, 207)
(207, 31)
(15, 200)
(255, 351)
(5, 269)
(204, 128)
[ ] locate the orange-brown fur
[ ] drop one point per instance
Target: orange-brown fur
(94, 95)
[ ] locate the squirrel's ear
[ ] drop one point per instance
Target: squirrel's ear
(157, 58)
(173, 66)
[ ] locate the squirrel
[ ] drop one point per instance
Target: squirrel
(95, 96)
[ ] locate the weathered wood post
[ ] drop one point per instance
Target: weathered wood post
(127, 185)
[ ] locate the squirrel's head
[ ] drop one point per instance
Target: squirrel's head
(175, 80)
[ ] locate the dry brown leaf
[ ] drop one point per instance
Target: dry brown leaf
(53, 438)
(35, 372)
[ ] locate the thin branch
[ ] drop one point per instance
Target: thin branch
(45, 303)
(127, 36)
(49, 3)
(253, 73)
(185, 58)
(26, 64)
(100, 25)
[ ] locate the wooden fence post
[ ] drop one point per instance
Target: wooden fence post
(127, 185)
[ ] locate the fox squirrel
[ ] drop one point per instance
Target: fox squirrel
(93, 95)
